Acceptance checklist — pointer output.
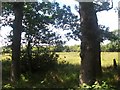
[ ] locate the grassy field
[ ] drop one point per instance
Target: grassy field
(74, 57)
(65, 75)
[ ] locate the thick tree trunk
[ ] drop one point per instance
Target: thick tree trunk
(90, 44)
(17, 28)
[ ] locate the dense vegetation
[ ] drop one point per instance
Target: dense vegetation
(65, 74)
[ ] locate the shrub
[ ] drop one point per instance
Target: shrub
(42, 61)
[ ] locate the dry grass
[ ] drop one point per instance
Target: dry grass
(74, 57)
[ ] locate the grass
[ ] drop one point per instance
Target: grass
(65, 75)
(70, 57)
(60, 77)
(74, 58)
(107, 58)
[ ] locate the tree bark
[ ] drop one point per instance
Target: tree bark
(16, 43)
(29, 55)
(90, 44)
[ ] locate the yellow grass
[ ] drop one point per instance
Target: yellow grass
(74, 57)
(71, 57)
(107, 58)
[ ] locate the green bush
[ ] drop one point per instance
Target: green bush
(44, 61)
(38, 61)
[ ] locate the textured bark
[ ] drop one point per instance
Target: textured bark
(90, 44)
(17, 28)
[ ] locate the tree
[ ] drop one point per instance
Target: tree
(36, 20)
(16, 41)
(114, 41)
(90, 41)
(38, 17)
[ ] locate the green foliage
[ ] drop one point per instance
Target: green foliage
(114, 39)
(6, 49)
(37, 20)
(75, 48)
(39, 17)
(60, 77)
(44, 62)
(111, 47)
(101, 5)
(8, 86)
(97, 86)
(40, 61)
(61, 48)
(64, 75)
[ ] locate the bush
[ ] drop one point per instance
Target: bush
(44, 61)
(41, 62)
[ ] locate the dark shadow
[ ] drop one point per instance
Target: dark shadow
(64, 75)
(110, 74)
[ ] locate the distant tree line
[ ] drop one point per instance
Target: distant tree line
(110, 47)
(61, 48)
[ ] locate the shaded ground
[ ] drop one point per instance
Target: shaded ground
(65, 75)
(111, 76)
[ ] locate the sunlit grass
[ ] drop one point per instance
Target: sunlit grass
(107, 58)
(71, 57)
(74, 57)
(5, 56)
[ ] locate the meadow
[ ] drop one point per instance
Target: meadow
(74, 57)
(65, 75)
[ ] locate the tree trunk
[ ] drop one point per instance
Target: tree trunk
(29, 55)
(90, 44)
(98, 63)
(16, 43)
